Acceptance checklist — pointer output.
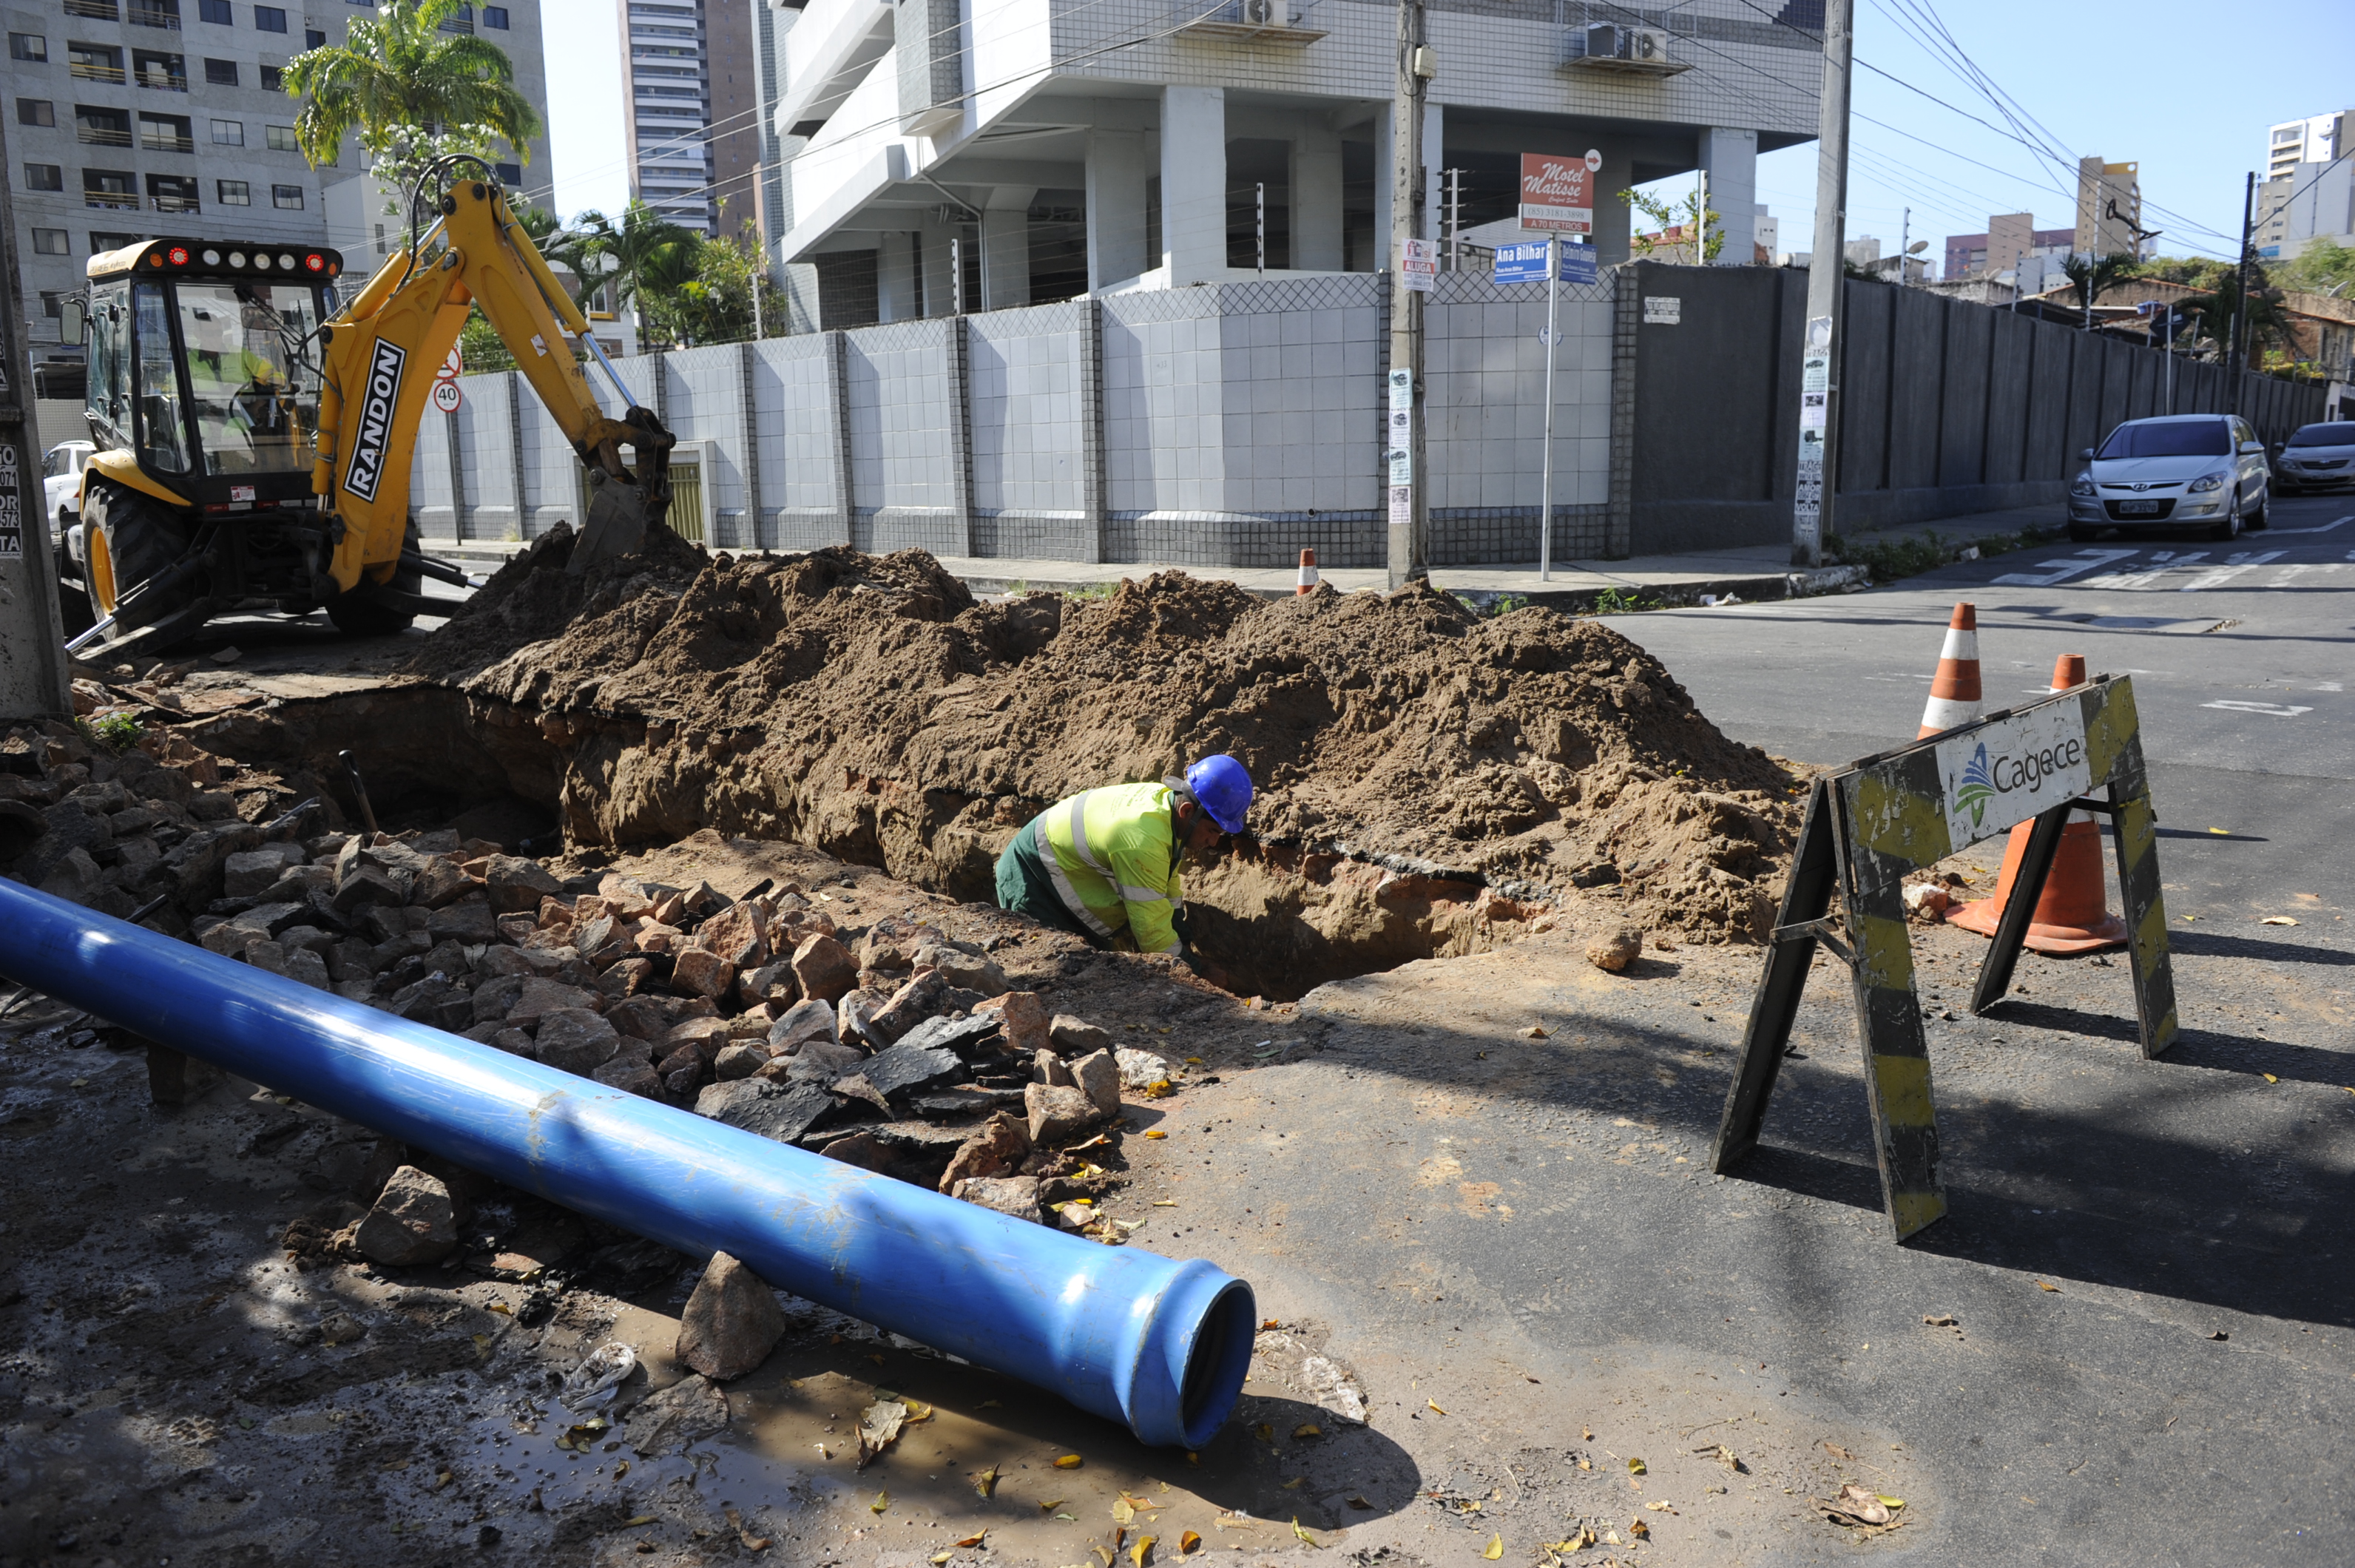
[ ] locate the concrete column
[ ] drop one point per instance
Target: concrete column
(1730, 158)
(1316, 198)
(1006, 248)
(1193, 183)
(940, 285)
(1118, 169)
(898, 296)
(1383, 260)
(1434, 171)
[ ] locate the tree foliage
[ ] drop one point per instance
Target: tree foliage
(409, 92)
(1688, 215)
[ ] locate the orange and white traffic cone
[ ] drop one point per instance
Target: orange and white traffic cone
(2073, 915)
(1307, 572)
(1954, 689)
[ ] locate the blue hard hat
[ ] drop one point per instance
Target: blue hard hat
(1223, 788)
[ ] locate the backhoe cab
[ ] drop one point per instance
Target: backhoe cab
(254, 442)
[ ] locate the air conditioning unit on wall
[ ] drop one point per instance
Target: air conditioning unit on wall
(1267, 13)
(1625, 51)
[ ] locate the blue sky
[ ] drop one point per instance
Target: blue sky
(2184, 90)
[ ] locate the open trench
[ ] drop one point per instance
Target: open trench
(1279, 920)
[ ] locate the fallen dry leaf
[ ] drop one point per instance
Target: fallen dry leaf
(878, 1428)
(986, 1482)
(1590, 1432)
(1189, 1542)
(751, 1541)
(1122, 1511)
(1142, 1549)
(937, 1558)
(1496, 1548)
(1578, 1539)
(1050, 1507)
(1069, 1462)
(1722, 1454)
(882, 1500)
(1264, 1432)
(2278, 920)
(1304, 1535)
(1837, 1451)
(1307, 1429)
(1357, 1502)
(1640, 1530)
(1635, 1468)
(1661, 1505)
(2271, 1079)
(1940, 1321)
(1155, 1132)
(1435, 1407)
(1611, 1538)
(1855, 1505)
(972, 1540)
(2053, 1288)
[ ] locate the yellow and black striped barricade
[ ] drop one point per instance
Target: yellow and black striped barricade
(1876, 819)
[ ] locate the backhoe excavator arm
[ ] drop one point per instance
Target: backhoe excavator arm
(382, 351)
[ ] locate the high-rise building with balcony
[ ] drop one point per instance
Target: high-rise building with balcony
(2316, 139)
(129, 119)
(692, 81)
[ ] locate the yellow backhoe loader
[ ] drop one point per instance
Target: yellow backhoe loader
(254, 441)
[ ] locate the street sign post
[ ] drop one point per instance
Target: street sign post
(1553, 263)
(446, 396)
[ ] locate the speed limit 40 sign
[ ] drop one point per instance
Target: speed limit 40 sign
(446, 396)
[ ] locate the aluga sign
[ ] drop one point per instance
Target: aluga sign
(2000, 775)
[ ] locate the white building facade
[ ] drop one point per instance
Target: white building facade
(943, 157)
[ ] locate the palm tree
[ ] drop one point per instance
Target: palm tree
(410, 90)
(2092, 276)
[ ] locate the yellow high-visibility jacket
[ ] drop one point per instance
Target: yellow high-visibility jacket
(1113, 854)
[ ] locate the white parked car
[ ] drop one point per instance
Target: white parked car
(2318, 457)
(2196, 471)
(61, 468)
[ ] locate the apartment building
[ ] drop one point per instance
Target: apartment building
(2009, 239)
(692, 80)
(1060, 147)
(2109, 209)
(132, 119)
(2316, 139)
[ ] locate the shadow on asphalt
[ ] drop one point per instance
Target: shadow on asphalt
(2208, 945)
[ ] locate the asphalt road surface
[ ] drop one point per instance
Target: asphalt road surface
(2240, 656)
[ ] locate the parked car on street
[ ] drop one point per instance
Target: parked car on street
(2318, 457)
(61, 468)
(2179, 471)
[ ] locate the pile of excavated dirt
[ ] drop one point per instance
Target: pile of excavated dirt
(1411, 754)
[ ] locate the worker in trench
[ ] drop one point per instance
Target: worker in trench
(1102, 864)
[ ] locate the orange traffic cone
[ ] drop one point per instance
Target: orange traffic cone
(1307, 572)
(2073, 915)
(1954, 689)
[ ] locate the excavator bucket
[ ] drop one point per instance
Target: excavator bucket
(620, 512)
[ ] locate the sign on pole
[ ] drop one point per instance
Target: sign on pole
(1815, 427)
(1419, 263)
(1558, 193)
(1523, 262)
(446, 396)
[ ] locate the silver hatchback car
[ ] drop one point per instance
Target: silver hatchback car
(2198, 471)
(2318, 457)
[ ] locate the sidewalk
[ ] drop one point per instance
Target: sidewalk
(1750, 571)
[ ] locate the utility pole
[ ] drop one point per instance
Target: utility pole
(33, 670)
(1410, 496)
(1811, 507)
(2237, 354)
(1259, 222)
(1905, 239)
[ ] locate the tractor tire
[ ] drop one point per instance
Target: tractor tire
(129, 539)
(358, 615)
(76, 614)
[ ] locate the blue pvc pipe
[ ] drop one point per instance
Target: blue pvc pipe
(1159, 1345)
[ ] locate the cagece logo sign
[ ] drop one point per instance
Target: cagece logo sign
(2000, 774)
(374, 436)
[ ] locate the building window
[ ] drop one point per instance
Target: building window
(109, 188)
(282, 139)
(220, 73)
(52, 243)
(271, 78)
(228, 133)
(233, 193)
(462, 21)
(496, 17)
(286, 195)
(28, 47)
(508, 174)
(94, 62)
(101, 242)
(166, 134)
(36, 111)
(155, 14)
(99, 127)
(173, 193)
(269, 18)
(219, 11)
(53, 299)
(164, 73)
(44, 176)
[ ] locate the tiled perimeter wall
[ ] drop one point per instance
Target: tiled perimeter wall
(1228, 424)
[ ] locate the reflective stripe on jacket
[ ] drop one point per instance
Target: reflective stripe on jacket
(1112, 856)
